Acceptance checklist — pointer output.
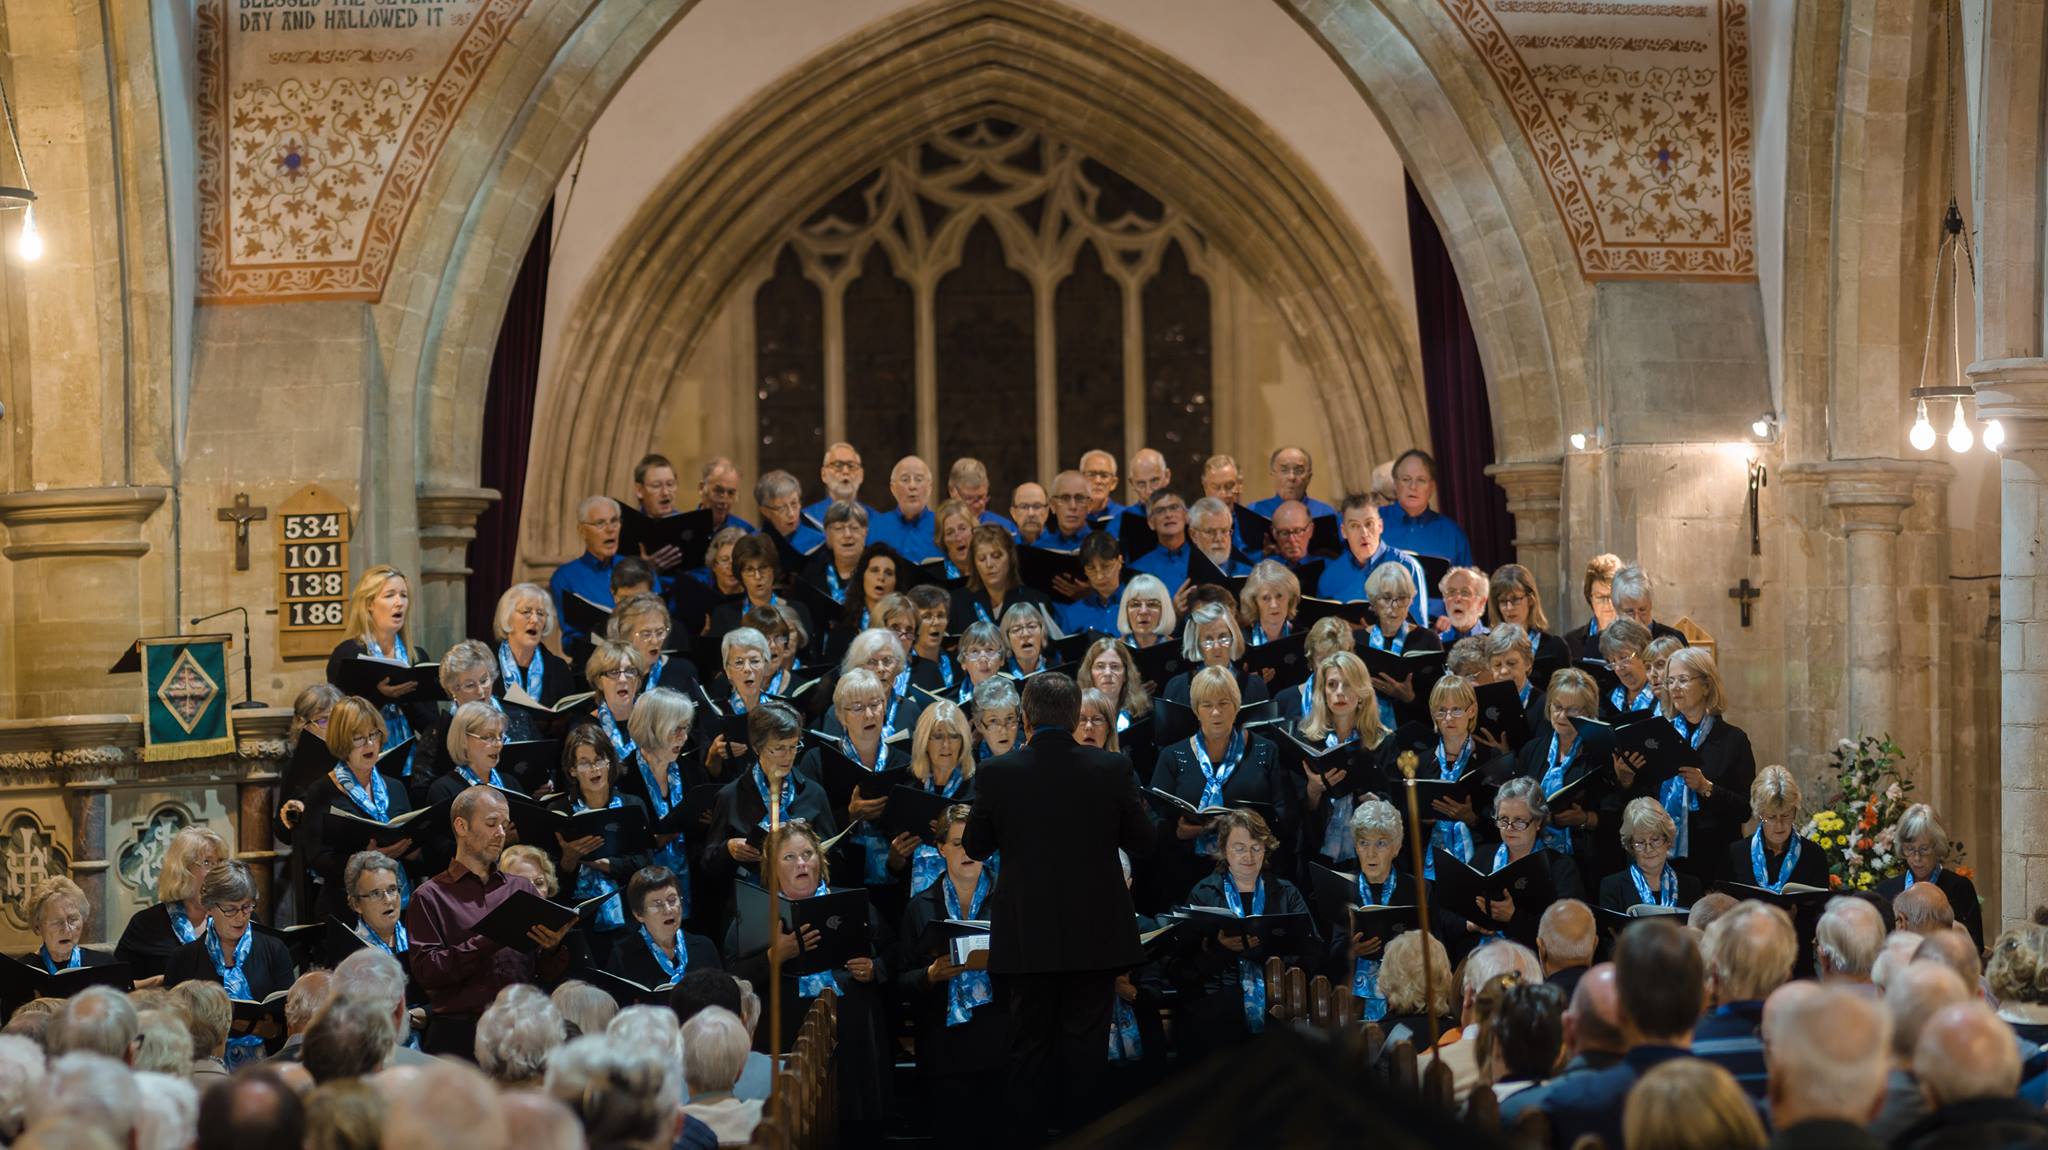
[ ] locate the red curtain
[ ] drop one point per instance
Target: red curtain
(508, 430)
(1454, 383)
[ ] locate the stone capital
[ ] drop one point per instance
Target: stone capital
(1872, 494)
(1535, 492)
(79, 521)
(2013, 391)
(447, 525)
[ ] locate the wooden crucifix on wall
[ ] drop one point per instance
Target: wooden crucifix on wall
(241, 515)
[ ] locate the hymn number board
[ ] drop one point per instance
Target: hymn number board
(312, 573)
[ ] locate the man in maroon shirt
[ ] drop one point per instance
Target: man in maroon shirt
(461, 970)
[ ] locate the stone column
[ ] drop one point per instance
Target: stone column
(87, 801)
(2015, 392)
(447, 525)
(1871, 497)
(77, 594)
(1536, 500)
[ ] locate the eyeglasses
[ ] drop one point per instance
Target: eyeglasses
(1215, 642)
(1674, 682)
(870, 707)
(1028, 508)
(532, 613)
(381, 894)
(365, 741)
(1291, 470)
(500, 737)
(238, 910)
(69, 922)
(1292, 532)
(658, 905)
(1510, 599)
(1388, 600)
(617, 674)
(842, 466)
(648, 634)
(1917, 850)
(1649, 846)
(1003, 724)
(981, 657)
(746, 662)
(1514, 824)
(1246, 850)
(1448, 712)
(1070, 498)
(1100, 474)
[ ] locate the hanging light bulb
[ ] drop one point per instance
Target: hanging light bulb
(1922, 435)
(1994, 436)
(1959, 435)
(31, 243)
(1578, 441)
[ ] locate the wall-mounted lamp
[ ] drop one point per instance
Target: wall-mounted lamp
(1588, 440)
(1765, 427)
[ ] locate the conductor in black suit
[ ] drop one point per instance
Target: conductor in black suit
(1062, 924)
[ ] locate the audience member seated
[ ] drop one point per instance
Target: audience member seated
(1660, 986)
(1847, 941)
(516, 1034)
(1524, 1036)
(2017, 978)
(1592, 1040)
(1566, 937)
(1914, 996)
(1969, 1068)
(1459, 1048)
(700, 989)
(1686, 1104)
(1749, 953)
(715, 1052)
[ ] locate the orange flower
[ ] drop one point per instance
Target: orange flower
(1862, 844)
(1966, 871)
(1834, 882)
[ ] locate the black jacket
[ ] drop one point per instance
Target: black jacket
(979, 1044)
(148, 941)
(630, 958)
(268, 967)
(557, 681)
(1983, 1123)
(1258, 778)
(1059, 811)
(1810, 870)
(1211, 968)
(1618, 890)
(326, 860)
(1730, 765)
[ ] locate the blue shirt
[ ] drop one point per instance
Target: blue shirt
(585, 575)
(730, 521)
(1592, 1103)
(1107, 517)
(1052, 540)
(991, 517)
(1092, 613)
(911, 538)
(1426, 534)
(1344, 580)
(1168, 566)
(1316, 507)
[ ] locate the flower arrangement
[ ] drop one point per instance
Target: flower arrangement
(1858, 827)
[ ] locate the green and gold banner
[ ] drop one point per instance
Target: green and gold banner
(186, 714)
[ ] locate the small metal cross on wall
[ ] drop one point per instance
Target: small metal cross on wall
(1744, 595)
(241, 515)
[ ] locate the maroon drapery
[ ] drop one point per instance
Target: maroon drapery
(508, 430)
(1454, 384)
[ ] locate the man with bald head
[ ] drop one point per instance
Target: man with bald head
(461, 970)
(1917, 992)
(1566, 938)
(1292, 531)
(1592, 1037)
(907, 528)
(1098, 467)
(1969, 1068)
(1149, 473)
(1922, 908)
(1222, 482)
(1848, 940)
(1291, 470)
(1828, 1061)
(1029, 508)
(1070, 498)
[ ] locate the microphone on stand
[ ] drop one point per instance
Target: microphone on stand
(248, 702)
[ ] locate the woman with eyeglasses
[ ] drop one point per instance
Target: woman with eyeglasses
(740, 817)
(355, 736)
(757, 564)
(1649, 879)
(993, 582)
(1449, 752)
(59, 913)
(942, 764)
(373, 918)
(589, 782)
(1709, 802)
(1343, 713)
(179, 914)
(1656, 661)
(998, 718)
(862, 1055)
(1027, 633)
(1391, 591)
(643, 623)
(880, 652)
(1622, 643)
(953, 535)
(1375, 832)
(1776, 853)
(982, 654)
(861, 704)
(1224, 981)
(524, 618)
(657, 776)
(1520, 816)
(963, 1033)
(1598, 588)
(740, 688)
(1923, 845)
(1513, 597)
(1512, 659)
(616, 670)
(1556, 757)
(1220, 765)
(1145, 614)
(658, 952)
(1212, 639)
(249, 964)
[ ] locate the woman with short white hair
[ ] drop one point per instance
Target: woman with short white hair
(1922, 843)
(1647, 831)
(1212, 638)
(860, 702)
(516, 1034)
(882, 652)
(655, 773)
(715, 1046)
(1520, 815)
(1220, 765)
(524, 619)
(1145, 613)
(1392, 591)
(1266, 606)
